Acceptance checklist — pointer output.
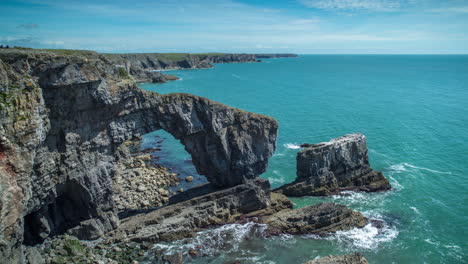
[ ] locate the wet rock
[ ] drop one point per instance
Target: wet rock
(331, 167)
(355, 258)
(192, 252)
(176, 258)
(319, 219)
(183, 219)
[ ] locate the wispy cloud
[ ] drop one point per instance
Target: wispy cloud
(353, 5)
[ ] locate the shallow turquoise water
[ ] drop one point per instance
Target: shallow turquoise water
(414, 112)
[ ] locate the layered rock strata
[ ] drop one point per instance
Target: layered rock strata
(185, 218)
(62, 119)
(320, 219)
(355, 258)
(331, 167)
(251, 201)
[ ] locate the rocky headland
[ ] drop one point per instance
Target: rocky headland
(145, 66)
(341, 164)
(68, 122)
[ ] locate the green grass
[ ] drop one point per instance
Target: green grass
(123, 73)
(56, 51)
(161, 56)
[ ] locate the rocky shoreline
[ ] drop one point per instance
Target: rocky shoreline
(145, 67)
(69, 123)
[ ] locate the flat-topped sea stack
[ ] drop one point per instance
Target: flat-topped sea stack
(331, 167)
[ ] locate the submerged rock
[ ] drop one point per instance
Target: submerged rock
(331, 167)
(355, 258)
(319, 219)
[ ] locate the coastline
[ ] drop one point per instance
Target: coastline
(114, 110)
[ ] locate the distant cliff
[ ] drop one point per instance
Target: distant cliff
(273, 56)
(144, 66)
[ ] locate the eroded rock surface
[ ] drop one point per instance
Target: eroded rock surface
(319, 219)
(185, 218)
(355, 258)
(331, 167)
(62, 118)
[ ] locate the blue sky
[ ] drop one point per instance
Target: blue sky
(299, 26)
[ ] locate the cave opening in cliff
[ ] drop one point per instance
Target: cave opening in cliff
(158, 168)
(67, 210)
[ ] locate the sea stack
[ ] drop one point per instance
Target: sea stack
(331, 167)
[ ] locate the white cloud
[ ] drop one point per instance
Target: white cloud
(353, 5)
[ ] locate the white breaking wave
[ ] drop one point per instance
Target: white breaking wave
(415, 210)
(226, 238)
(291, 146)
(403, 167)
(398, 168)
(279, 179)
(426, 169)
(368, 237)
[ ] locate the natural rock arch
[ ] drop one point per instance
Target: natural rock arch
(77, 112)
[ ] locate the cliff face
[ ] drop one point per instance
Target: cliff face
(334, 166)
(143, 66)
(62, 119)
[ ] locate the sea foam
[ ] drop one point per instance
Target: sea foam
(291, 146)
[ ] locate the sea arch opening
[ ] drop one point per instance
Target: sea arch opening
(154, 168)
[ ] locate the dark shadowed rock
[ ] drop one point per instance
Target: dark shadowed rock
(319, 219)
(355, 258)
(330, 167)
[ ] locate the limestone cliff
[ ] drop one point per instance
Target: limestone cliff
(63, 115)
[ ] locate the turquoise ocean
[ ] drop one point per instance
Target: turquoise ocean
(414, 112)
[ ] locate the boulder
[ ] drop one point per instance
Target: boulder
(331, 167)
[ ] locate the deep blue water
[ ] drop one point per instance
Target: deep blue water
(414, 112)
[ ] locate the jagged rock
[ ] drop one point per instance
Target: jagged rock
(62, 119)
(330, 167)
(319, 219)
(355, 258)
(210, 207)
